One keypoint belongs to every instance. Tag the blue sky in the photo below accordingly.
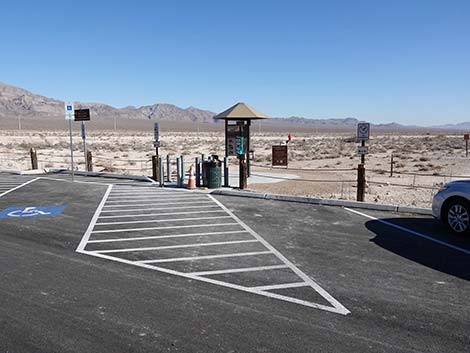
(377, 60)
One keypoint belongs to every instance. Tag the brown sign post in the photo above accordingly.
(82, 114)
(279, 155)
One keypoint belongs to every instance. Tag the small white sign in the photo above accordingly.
(69, 111)
(156, 135)
(363, 131)
(362, 149)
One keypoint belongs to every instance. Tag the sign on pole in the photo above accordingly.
(362, 150)
(279, 155)
(156, 135)
(466, 136)
(70, 115)
(69, 111)
(231, 135)
(363, 131)
(82, 115)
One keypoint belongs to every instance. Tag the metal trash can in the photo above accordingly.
(212, 173)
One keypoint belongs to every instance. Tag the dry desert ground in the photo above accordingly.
(323, 162)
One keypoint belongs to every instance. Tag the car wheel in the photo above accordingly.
(458, 216)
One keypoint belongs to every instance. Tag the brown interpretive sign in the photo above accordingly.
(82, 114)
(279, 155)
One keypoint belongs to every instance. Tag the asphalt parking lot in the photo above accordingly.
(104, 265)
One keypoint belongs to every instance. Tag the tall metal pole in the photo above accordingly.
(71, 149)
(363, 156)
(84, 145)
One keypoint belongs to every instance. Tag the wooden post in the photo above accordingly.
(243, 173)
(89, 159)
(154, 167)
(34, 158)
(391, 165)
(361, 182)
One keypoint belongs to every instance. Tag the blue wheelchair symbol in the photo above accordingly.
(32, 211)
(69, 107)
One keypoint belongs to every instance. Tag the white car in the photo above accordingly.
(451, 205)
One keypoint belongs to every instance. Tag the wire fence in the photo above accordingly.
(330, 182)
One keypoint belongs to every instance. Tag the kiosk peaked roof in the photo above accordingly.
(240, 111)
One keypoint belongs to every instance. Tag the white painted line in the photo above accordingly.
(191, 258)
(338, 306)
(161, 204)
(158, 199)
(155, 196)
(282, 286)
(88, 232)
(161, 220)
(165, 236)
(209, 205)
(159, 214)
(155, 228)
(19, 186)
(237, 270)
(220, 283)
(418, 234)
(195, 245)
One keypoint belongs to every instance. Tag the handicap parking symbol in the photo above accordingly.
(32, 211)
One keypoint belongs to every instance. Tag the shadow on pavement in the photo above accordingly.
(421, 250)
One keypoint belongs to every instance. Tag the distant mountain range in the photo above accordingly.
(15, 101)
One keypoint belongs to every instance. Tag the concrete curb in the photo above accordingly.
(325, 202)
(24, 172)
(104, 175)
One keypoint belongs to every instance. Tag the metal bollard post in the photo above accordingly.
(226, 176)
(198, 172)
(154, 167)
(161, 178)
(168, 168)
(361, 182)
(182, 171)
(178, 171)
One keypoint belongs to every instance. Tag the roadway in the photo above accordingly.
(128, 267)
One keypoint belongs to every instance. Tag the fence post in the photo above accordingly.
(34, 158)
(391, 165)
(168, 168)
(361, 182)
(226, 176)
(198, 172)
(154, 167)
(161, 178)
(89, 161)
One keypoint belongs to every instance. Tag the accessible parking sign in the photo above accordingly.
(32, 211)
